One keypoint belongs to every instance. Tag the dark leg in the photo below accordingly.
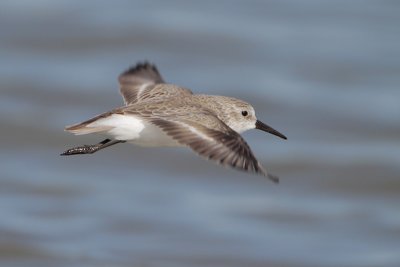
(90, 149)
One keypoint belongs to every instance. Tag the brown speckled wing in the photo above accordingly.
(223, 146)
(144, 82)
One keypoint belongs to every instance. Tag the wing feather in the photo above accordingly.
(224, 146)
(144, 82)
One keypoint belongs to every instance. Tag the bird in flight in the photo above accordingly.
(160, 114)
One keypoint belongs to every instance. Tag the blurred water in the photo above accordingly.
(325, 73)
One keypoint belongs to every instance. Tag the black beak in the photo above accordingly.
(263, 127)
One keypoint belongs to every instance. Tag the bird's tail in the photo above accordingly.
(90, 126)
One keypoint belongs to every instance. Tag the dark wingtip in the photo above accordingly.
(265, 173)
(273, 178)
(143, 65)
(145, 69)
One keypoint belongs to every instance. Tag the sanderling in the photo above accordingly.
(161, 114)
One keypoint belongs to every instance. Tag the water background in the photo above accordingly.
(325, 73)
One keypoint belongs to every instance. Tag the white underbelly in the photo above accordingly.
(151, 135)
(134, 130)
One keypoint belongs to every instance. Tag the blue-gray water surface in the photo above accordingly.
(325, 73)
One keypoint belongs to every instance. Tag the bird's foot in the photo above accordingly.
(86, 149)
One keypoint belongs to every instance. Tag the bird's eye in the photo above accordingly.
(244, 113)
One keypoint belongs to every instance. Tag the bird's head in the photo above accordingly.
(240, 116)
